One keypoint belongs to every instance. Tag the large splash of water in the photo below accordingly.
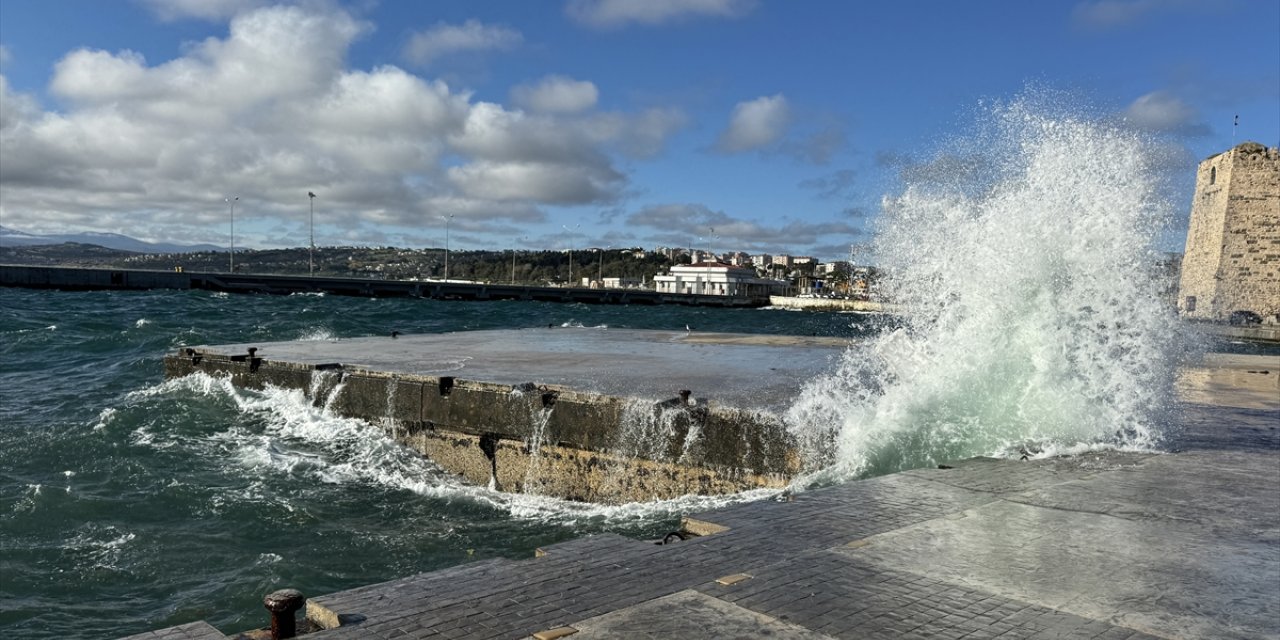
(1025, 265)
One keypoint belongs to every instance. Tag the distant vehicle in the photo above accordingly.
(1243, 317)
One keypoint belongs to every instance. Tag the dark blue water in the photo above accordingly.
(129, 503)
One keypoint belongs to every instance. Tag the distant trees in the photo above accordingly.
(531, 267)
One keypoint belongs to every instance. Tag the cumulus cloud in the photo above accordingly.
(641, 135)
(213, 10)
(270, 112)
(608, 14)
(675, 223)
(556, 94)
(1163, 112)
(755, 124)
(471, 36)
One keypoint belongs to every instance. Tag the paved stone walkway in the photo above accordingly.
(1100, 546)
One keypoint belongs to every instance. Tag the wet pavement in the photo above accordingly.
(739, 370)
(1104, 545)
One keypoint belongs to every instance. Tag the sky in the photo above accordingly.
(756, 125)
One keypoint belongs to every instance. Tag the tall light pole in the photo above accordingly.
(231, 257)
(569, 234)
(600, 276)
(446, 245)
(513, 261)
(311, 255)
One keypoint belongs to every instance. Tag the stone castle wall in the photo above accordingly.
(1232, 259)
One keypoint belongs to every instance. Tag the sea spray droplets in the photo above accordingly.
(1033, 317)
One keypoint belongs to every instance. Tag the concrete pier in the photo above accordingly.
(92, 279)
(587, 414)
(1103, 545)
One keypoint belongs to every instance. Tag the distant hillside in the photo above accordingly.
(540, 267)
(67, 254)
(15, 238)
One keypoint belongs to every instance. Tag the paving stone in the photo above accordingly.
(689, 614)
(199, 630)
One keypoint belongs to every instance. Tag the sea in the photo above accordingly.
(1038, 323)
(129, 503)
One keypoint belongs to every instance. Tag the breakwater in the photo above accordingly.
(597, 416)
(93, 279)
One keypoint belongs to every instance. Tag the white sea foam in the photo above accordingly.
(574, 324)
(1025, 265)
(142, 322)
(104, 418)
(317, 334)
(98, 547)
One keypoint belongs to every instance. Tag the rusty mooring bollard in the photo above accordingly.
(283, 604)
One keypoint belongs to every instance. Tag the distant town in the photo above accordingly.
(665, 269)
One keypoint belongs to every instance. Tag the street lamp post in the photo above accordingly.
(311, 255)
(513, 261)
(569, 234)
(231, 257)
(600, 275)
(446, 245)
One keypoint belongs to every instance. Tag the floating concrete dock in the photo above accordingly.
(587, 414)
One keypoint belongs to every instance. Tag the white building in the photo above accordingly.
(717, 279)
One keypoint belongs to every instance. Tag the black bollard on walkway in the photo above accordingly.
(284, 605)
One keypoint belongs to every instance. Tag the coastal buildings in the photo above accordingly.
(1232, 259)
(714, 278)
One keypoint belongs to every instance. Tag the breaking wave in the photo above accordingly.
(1024, 261)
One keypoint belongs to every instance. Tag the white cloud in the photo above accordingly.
(1164, 112)
(642, 135)
(269, 112)
(213, 10)
(445, 39)
(551, 183)
(14, 107)
(748, 235)
(755, 124)
(556, 94)
(605, 14)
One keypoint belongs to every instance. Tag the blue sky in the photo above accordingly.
(763, 126)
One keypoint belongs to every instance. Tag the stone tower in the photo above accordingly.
(1232, 261)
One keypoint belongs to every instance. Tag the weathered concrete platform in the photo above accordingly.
(590, 414)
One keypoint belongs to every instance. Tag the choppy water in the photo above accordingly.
(129, 503)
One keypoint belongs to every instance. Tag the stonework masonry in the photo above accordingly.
(1232, 260)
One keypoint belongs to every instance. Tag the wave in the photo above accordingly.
(1024, 261)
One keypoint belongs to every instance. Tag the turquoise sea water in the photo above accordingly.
(128, 503)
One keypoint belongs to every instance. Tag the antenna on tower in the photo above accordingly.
(1234, 125)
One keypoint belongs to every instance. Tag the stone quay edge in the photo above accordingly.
(597, 415)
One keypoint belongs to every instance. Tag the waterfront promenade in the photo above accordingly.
(1099, 545)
